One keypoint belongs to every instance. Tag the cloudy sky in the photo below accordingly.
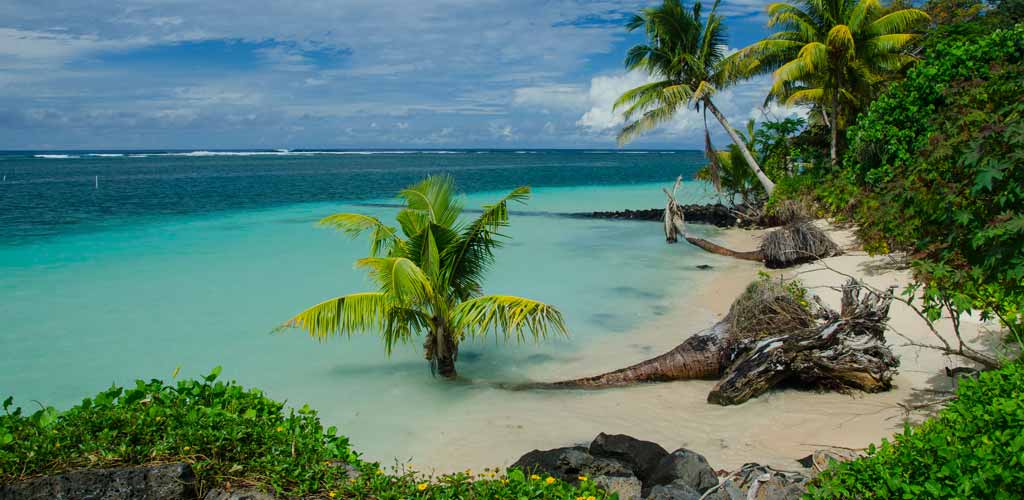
(330, 73)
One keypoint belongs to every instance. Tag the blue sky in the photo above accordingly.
(331, 74)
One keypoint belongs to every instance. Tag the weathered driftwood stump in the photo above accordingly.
(771, 336)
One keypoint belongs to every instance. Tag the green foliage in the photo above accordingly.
(222, 429)
(936, 168)
(974, 448)
(228, 433)
(488, 485)
(899, 123)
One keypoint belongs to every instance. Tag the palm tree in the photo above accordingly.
(832, 54)
(429, 274)
(684, 54)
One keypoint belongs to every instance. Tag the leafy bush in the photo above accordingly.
(226, 433)
(936, 168)
(974, 448)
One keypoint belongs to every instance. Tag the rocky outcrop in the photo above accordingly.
(642, 457)
(158, 482)
(686, 467)
(636, 469)
(716, 215)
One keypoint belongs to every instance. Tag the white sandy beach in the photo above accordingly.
(774, 429)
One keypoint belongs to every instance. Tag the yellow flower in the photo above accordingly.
(583, 478)
(504, 481)
(331, 494)
(469, 472)
(591, 498)
(581, 498)
(535, 478)
(421, 486)
(550, 480)
(279, 428)
(380, 472)
(187, 448)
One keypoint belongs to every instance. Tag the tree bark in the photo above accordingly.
(441, 351)
(767, 183)
(755, 255)
(834, 147)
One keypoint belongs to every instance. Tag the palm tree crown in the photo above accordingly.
(684, 53)
(429, 272)
(832, 54)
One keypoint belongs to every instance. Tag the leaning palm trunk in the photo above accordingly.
(784, 247)
(767, 183)
(770, 336)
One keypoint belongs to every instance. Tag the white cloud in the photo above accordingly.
(604, 91)
(554, 96)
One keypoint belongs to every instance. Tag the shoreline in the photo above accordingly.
(775, 429)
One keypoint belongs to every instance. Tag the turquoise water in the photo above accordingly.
(140, 294)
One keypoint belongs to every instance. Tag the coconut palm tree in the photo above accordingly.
(683, 53)
(832, 54)
(429, 272)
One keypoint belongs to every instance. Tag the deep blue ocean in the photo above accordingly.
(47, 193)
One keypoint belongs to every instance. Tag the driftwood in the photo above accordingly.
(784, 247)
(770, 337)
(675, 222)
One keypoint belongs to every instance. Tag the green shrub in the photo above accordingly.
(973, 449)
(227, 433)
(936, 168)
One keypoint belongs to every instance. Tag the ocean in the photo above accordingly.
(121, 265)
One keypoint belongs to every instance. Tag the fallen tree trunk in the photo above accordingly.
(755, 255)
(784, 247)
(821, 349)
(699, 357)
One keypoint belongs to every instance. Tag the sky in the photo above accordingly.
(205, 74)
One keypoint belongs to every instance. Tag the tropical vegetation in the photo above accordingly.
(834, 55)
(430, 274)
(971, 449)
(234, 437)
(684, 53)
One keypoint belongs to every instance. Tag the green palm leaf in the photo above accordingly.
(514, 317)
(357, 312)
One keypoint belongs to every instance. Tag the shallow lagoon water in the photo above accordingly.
(83, 309)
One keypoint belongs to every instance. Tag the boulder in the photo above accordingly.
(238, 494)
(628, 488)
(686, 466)
(726, 491)
(677, 490)
(640, 456)
(158, 482)
(568, 464)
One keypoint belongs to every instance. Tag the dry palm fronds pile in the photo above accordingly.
(796, 243)
(766, 308)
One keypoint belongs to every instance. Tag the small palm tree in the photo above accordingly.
(832, 54)
(684, 53)
(728, 171)
(430, 277)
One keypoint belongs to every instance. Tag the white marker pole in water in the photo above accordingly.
(97, 182)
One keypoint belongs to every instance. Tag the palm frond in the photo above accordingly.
(348, 314)
(382, 237)
(900, 21)
(400, 279)
(465, 261)
(434, 196)
(510, 316)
